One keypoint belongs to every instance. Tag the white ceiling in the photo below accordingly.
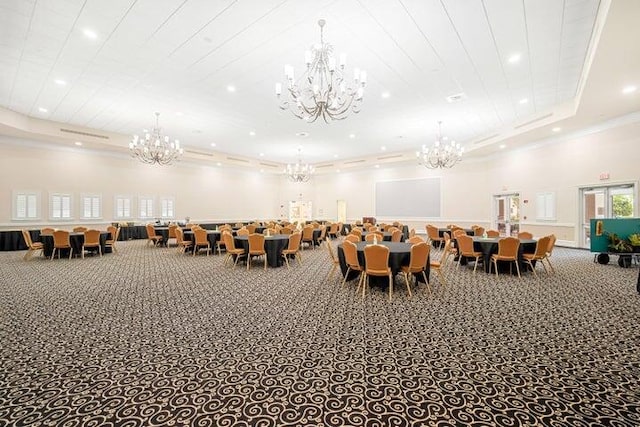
(179, 56)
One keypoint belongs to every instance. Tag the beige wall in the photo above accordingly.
(203, 192)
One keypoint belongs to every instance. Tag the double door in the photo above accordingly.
(615, 201)
(507, 214)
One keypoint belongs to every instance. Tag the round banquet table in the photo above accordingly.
(386, 236)
(212, 236)
(489, 246)
(399, 255)
(273, 245)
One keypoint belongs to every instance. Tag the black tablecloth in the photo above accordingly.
(132, 232)
(76, 240)
(273, 245)
(441, 232)
(212, 236)
(12, 240)
(489, 246)
(399, 256)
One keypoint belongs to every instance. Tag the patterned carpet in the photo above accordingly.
(148, 337)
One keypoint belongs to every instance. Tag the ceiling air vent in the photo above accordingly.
(235, 159)
(486, 139)
(77, 132)
(456, 97)
(326, 165)
(546, 116)
(269, 165)
(354, 162)
(200, 153)
(392, 156)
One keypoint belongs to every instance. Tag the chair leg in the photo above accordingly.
(424, 275)
(265, 262)
(390, 286)
(475, 264)
(517, 268)
(286, 260)
(407, 284)
(53, 254)
(344, 281)
(532, 268)
(70, 252)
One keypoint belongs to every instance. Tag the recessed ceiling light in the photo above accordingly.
(78, 143)
(89, 33)
(377, 166)
(179, 113)
(385, 94)
(502, 146)
(231, 88)
(383, 148)
(335, 156)
(43, 110)
(213, 144)
(514, 58)
(352, 135)
(261, 154)
(523, 101)
(629, 89)
(261, 170)
(60, 82)
(252, 133)
(218, 164)
(556, 129)
(338, 170)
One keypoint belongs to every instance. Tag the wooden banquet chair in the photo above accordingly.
(307, 236)
(371, 236)
(114, 233)
(335, 262)
(152, 237)
(525, 235)
(333, 231)
(478, 231)
(200, 241)
(293, 248)
(79, 229)
(353, 264)
(432, 234)
(396, 236)
(181, 243)
(540, 254)
(172, 235)
(417, 264)
(47, 230)
(376, 261)
(552, 244)
(243, 232)
(507, 251)
(286, 230)
(32, 247)
(353, 238)
(256, 249)
(232, 251)
(465, 249)
(61, 241)
(91, 240)
(493, 233)
(415, 239)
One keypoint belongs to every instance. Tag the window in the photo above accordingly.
(60, 206)
(167, 207)
(546, 206)
(123, 207)
(25, 206)
(91, 207)
(145, 205)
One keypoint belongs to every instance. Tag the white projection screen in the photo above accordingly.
(409, 198)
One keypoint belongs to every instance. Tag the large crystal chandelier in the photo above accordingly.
(322, 91)
(443, 153)
(155, 148)
(299, 172)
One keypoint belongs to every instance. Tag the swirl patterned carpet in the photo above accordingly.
(148, 337)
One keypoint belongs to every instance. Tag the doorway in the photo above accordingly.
(342, 211)
(299, 211)
(614, 201)
(507, 214)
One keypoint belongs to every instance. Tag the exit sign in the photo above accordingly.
(604, 175)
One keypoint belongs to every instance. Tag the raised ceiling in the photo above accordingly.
(180, 57)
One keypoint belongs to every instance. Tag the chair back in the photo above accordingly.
(47, 230)
(412, 232)
(478, 231)
(376, 259)
(465, 244)
(27, 238)
(307, 232)
(251, 228)
(396, 236)
(286, 230)
(508, 247)
(525, 235)
(415, 240)
(459, 232)
(333, 229)
(371, 236)
(358, 231)
(200, 235)
(351, 254)
(92, 238)
(353, 238)
(61, 239)
(229, 243)
(151, 231)
(541, 247)
(432, 232)
(243, 232)
(552, 243)
(493, 233)
(172, 231)
(112, 232)
(294, 241)
(256, 242)
(79, 229)
(323, 232)
(179, 235)
(419, 255)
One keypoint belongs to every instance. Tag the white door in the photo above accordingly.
(507, 214)
(299, 211)
(616, 201)
(342, 211)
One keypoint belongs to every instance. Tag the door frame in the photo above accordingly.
(494, 209)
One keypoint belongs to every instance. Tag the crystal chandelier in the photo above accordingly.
(322, 91)
(442, 154)
(155, 148)
(299, 172)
